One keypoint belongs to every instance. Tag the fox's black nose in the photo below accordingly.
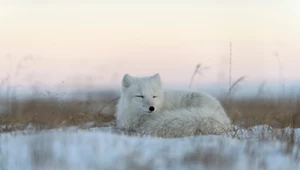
(151, 108)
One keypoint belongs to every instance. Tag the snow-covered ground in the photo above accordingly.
(106, 148)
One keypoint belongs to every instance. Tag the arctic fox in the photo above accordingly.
(145, 107)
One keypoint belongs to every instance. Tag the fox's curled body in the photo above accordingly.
(146, 108)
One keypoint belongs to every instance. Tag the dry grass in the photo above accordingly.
(257, 111)
(51, 113)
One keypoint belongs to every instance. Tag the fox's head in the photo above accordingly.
(142, 93)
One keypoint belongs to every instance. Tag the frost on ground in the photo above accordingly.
(108, 148)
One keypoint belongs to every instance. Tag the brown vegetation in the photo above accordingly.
(51, 113)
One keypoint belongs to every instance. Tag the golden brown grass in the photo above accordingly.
(52, 113)
(49, 114)
(257, 111)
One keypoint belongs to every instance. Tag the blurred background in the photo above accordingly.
(68, 57)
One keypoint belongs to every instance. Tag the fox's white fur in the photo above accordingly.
(173, 113)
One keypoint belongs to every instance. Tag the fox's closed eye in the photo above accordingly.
(154, 96)
(139, 96)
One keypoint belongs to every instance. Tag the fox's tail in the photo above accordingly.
(185, 122)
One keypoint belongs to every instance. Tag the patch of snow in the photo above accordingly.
(101, 148)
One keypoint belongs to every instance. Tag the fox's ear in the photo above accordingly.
(156, 78)
(127, 81)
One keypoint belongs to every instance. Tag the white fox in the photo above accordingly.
(146, 108)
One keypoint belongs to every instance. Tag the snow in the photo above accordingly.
(107, 148)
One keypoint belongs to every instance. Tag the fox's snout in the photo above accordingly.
(148, 109)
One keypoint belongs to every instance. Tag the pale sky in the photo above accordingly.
(98, 42)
